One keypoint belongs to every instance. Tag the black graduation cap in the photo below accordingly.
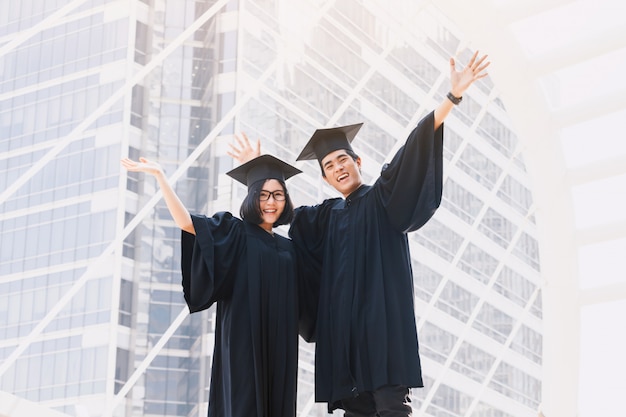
(262, 168)
(325, 141)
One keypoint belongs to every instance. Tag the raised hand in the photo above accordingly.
(474, 70)
(143, 165)
(243, 151)
(178, 211)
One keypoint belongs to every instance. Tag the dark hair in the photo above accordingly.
(350, 152)
(250, 209)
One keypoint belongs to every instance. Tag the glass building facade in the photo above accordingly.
(91, 311)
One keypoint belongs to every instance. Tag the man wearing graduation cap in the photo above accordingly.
(357, 300)
(366, 356)
(251, 273)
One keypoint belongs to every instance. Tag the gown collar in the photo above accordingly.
(358, 193)
(258, 232)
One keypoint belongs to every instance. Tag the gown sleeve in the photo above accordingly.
(308, 233)
(209, 259)
(410, 186)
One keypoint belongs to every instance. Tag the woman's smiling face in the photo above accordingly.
(272, 203)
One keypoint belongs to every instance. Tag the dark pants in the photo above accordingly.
(386, 401)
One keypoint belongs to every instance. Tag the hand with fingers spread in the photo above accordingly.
(474, 70)
(460, 81)
(243, 151)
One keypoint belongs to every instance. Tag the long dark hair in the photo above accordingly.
(250, 209)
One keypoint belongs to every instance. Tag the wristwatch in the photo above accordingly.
(453, 99)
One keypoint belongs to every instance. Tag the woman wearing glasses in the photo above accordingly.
(252, 275)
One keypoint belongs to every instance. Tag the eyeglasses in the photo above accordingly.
(279, 195)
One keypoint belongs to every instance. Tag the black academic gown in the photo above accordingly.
(364, 327)
(252, 277)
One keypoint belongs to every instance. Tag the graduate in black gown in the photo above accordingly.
(363, 321)
(251, 273)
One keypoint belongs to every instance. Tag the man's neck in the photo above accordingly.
(352, 191)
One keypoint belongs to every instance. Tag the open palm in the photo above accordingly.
(463, 79)
(143, 165)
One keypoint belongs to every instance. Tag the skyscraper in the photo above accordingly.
(91, 311)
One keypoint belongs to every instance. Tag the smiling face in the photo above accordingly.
(342, 172)
(271, 202)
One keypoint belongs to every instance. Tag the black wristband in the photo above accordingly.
(453, 99)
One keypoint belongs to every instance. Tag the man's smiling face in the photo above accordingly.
(342, 172)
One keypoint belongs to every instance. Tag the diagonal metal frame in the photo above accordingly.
(76, 133)
(156, 349)
(46, 23)
(98, 262)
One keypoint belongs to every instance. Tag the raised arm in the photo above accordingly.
(460, 81)
(178, 211)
